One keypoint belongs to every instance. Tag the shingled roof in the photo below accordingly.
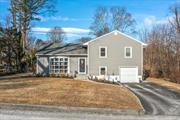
(67, 49)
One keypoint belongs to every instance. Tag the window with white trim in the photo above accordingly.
(102, 52)
(58, 65)
(128, 52)
(102, 70)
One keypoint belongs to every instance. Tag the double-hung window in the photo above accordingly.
(102, 70)
(102, 52)
(58, 65)
(128, 52)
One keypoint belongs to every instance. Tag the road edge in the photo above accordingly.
(28, 107)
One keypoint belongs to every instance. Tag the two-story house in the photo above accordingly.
(113, 56)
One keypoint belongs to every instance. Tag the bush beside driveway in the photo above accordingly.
(66, 92)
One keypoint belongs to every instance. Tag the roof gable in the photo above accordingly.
(116, 32)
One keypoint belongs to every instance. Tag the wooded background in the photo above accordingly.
(18, 47)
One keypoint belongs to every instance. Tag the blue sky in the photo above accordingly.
(75, 16)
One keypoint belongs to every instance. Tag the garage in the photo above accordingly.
(129, 74)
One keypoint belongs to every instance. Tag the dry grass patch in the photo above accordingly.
(66, 92)
(165, 83)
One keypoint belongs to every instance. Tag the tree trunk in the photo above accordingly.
(23, 38)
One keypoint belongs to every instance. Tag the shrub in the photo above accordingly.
(105, 81)
(38, 75)
(146, 74)
(175, 77)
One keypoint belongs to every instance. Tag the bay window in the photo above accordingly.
(58, 65)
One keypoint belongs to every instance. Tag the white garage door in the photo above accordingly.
(129, 75)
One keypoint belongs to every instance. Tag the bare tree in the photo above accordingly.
(39, 43)
(57, 35)
(122, 20)
(175, 22)
(175, 12)
(83, 39)
(160, 57)
(25, 11)
(117, 19)
(9, 46)
(13, 11)
(100, 24)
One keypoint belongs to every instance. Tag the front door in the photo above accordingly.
(82, 66)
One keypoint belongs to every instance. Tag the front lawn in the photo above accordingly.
(66, 92)
(165, 83)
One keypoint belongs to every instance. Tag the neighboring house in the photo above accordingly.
(113, 56)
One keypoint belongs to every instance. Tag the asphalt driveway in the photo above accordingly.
(155, 99)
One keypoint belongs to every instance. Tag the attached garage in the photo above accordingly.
(129, 74)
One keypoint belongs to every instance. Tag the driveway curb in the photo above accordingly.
(27, 107)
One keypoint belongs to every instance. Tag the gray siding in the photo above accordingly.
(43, 64)
(74, 64)
(115, 54)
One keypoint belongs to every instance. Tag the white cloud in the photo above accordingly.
(151, 20)
(40, 29)
(75, 30)
(57, 18)
(67, 30)
(39, 33)
(73, 35)
(60, 18)
(165, 20)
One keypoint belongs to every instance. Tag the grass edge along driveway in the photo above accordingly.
(165, 83)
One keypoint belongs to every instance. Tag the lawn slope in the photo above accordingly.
(66, 92)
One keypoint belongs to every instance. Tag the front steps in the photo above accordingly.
(81, 77)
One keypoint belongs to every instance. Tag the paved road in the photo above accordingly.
(157, 100)
(37, 115)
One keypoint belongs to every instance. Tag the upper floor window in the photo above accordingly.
(103, 52)
(128, 52)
